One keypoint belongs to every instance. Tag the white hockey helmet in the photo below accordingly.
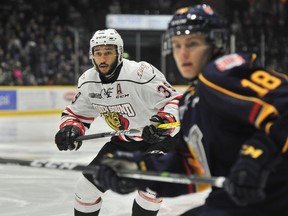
(107, 37)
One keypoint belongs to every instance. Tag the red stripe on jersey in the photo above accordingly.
(171, 102)
(149, 199)
(254, 112)
(70, 116)
(178, 97)
(175, 101)
(122, 138)
(79, 116)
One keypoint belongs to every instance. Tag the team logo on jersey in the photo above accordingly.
(123, 109)
(251, 151)
(107, 92)
(116, 121)
(103, 93)
(229, 61)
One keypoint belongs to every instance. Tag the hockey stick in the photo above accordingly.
(124, 132)
(47, 164)
(172, 177)
(134, 174)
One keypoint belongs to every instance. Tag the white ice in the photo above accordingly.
(28, 191)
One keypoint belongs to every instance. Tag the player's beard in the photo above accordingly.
(111, 71)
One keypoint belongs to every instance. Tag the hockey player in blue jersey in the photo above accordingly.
(236, 109)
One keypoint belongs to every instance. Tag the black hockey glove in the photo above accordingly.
(65, 138)
(106, 172)
(247, 180)
(152, 134)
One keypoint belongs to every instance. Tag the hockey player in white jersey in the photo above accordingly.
(127, 94)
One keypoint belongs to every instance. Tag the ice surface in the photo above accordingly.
(27, 191)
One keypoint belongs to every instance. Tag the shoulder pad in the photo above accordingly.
(89, 75)
(138, 71)
(225, 70)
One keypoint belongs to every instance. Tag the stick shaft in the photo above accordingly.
(172, 177)
(134, 174)
(108, 134)
(46, 164)
(124, 132)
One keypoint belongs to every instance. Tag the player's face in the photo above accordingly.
(105, 57)
(191, 54)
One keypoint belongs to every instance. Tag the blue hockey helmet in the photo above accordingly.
(200, 18)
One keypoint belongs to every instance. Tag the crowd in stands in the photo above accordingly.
(262, 27)
(37, 37)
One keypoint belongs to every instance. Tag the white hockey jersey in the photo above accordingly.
(139, 92)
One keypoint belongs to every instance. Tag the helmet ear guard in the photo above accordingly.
(200, 18)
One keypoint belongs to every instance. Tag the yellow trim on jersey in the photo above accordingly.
(267, 127)
(285, 147)
(253, 58)
(267, 109)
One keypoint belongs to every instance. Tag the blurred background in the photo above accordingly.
(46, 42)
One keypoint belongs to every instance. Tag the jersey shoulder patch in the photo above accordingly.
(228, 62)
(227, 70)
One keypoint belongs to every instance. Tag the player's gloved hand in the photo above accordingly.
(65, 138)
(247, 180)
(106, 171)
(152, 134)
